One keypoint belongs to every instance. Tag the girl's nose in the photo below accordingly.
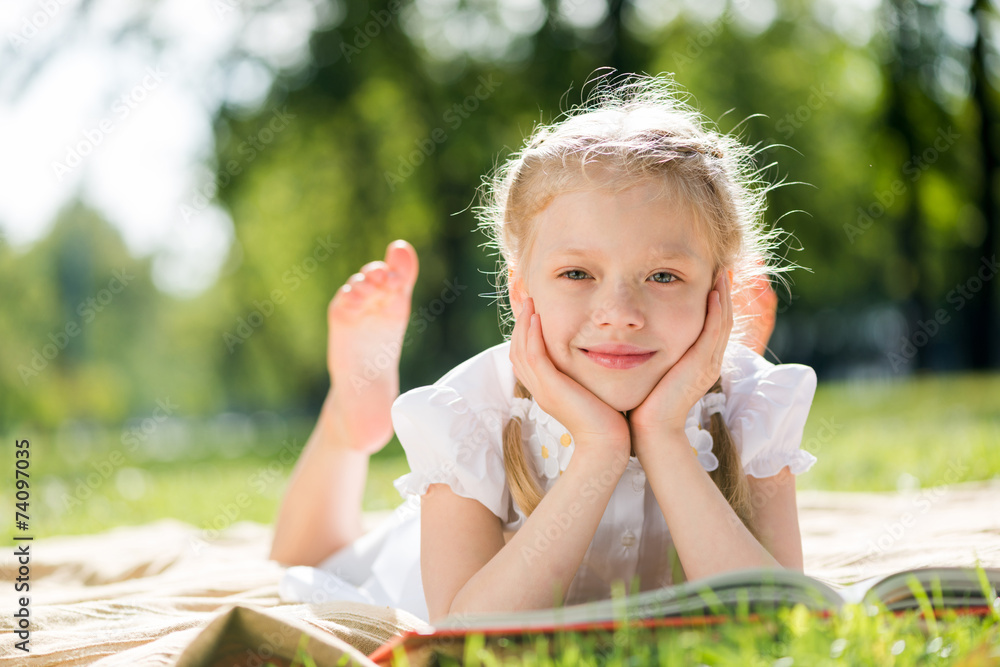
(619, 307)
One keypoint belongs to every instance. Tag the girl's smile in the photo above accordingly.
(620, 282)
(618, 355)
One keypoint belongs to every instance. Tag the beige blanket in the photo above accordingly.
(141, 595)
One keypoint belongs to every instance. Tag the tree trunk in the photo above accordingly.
(982, 314)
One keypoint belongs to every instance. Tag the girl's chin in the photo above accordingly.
(621, 396)
(623, 402)
(624, 407)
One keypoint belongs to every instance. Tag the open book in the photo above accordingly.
(715, 598)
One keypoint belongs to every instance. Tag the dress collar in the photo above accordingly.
(553, 446)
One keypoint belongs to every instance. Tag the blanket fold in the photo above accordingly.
(165, 592)
(245, 636)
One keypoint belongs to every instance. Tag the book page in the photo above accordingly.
(722, 592)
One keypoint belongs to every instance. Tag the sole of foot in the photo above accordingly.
(367, 320)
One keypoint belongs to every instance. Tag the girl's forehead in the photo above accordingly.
(640, 223)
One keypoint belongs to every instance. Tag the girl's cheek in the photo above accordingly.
(554, 335)
(687, 321)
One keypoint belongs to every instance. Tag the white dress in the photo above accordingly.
(452, 430)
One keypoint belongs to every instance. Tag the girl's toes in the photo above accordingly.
(346, 297)
(375, 273)
(401, 259)
(350, 291)
(351, 294)
(362, 289)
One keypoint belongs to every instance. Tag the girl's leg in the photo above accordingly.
(321, 511)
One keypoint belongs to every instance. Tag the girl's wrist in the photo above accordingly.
(665, 439)
(601, 455)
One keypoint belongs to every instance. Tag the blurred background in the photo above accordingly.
(184, 185)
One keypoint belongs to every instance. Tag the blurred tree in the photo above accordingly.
(385, 144)
(89, 337)
(81, 304)
(984, 313)
(402, 106)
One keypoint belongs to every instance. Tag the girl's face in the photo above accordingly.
(617, 269)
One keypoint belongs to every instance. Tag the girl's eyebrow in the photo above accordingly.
(656, 253)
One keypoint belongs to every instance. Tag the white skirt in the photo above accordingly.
(382, 567)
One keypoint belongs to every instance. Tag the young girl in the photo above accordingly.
(620, 434)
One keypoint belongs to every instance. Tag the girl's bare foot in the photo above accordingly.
(367, 321)
(759, 304)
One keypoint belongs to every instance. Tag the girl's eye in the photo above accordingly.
(669, 277)
(576, 275)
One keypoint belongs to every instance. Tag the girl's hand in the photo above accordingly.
(666, 408)
(585, 415)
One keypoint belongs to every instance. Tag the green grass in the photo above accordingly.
(90, 487)
(919, 433)
(868, 437)
(794, 636)
(855, 635)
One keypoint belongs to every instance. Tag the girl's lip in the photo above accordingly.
(618, 361)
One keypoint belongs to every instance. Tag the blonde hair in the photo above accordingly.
(633, 128)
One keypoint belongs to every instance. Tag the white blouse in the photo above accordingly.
(452, 434)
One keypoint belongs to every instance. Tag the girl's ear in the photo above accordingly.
(515, 291)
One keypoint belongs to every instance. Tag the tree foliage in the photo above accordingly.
(868, 127)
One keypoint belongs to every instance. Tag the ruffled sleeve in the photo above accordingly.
(448, 442)
(767, 410)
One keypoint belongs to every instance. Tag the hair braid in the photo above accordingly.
(523, 486)
(729, 476)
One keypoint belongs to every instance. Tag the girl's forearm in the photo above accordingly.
(535, 568)
(321, 510)
(706, 532)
